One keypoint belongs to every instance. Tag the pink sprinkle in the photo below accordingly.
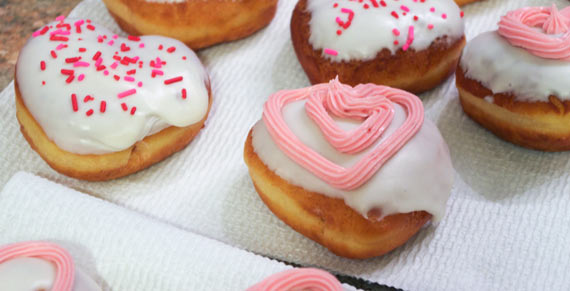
(430, 26)
(141, 45)
(115, 36)
(405, 8)
(346, 10)
(432, 9)
(98, 62)
(81, 77)
(127, 93)
(81, 64)
(157, 72)
(60, 18)
(396, 32)
(444, 16)
(129, 79)
(106, 73)
(114, 65)
(139, 84)
(331, 52)
(59, 31)
(100, 38)
(79, 22)
(60, 46)
(111, 42)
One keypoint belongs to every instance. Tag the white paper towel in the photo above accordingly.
(506, 225)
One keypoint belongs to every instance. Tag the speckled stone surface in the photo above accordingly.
(18, 19)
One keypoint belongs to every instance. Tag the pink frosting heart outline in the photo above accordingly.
(299, 279)
(519, 28)
(65, 270)
(362, 97)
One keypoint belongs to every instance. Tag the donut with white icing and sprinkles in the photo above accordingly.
(514, 81)
(356, 169)
(413, 45)
(97, 106)
(199, 24)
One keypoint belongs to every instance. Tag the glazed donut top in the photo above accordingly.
(528, 56)
(93, 92)
(375, 151)
(40, 266)
(358, 30)
(299, 279)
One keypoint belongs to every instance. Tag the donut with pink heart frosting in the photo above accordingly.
(85, 93)
(349, 167)
(37, 265)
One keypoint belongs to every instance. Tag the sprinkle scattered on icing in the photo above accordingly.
(89, 58)
(65, 270)
(299, 279)
(542, 31)
(371, 103)
(363, 28)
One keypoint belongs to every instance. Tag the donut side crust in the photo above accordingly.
(413, 71)
(198, 24)
(329, 221)
(150, 150)
(541, 126)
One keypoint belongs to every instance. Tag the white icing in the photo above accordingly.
(418, 177)
(34, 274)
(157, 105)
(503, 68)
(372, 29)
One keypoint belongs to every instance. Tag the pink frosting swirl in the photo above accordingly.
(65, 270)
(299, 279)
(369, 102)
(542, 31)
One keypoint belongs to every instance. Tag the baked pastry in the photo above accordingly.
(199, 24)
(299, 279)
(514, 81)
(96, 106)
(413, 46)
(360, 184)
(37, 265)
(464, 2)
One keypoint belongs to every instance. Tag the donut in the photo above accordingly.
(360, 182)
(299, 279)
(412, 46)
(96, 106)
(199, 24)
(513, 81)
(37, 265)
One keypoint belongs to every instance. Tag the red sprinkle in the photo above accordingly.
(173, 80)
(461, 14)
(66, 72)
(171, 49)
(89, 112)
(44, 30)
(74, 102)
(96, 55)
(87, 99)
(124, 106)
(394, 14)
(125, 48)
(70, 79)
(117, 77)
(72, 60)
(82, 49)
(133, 71)
(160, 47)
(133, 110)
(43, 65)
(58, 38)
(53, 54)
(184, 93)
(90, 27)
(100, 68)
(103, 106)
(134, 38)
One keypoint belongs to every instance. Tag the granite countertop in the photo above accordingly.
(18, 19)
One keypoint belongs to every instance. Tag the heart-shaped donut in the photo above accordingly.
(374, 103)
(552, 38)
(94, 92)
(61, 259)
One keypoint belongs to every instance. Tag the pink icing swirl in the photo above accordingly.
(369, 102)
(65, 270)
(542, 31)
(299, 279)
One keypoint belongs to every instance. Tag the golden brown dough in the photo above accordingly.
(143, 154)
(536, 125)
(199, 24)
(328, 221)
(464, 2)
(412, 71)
